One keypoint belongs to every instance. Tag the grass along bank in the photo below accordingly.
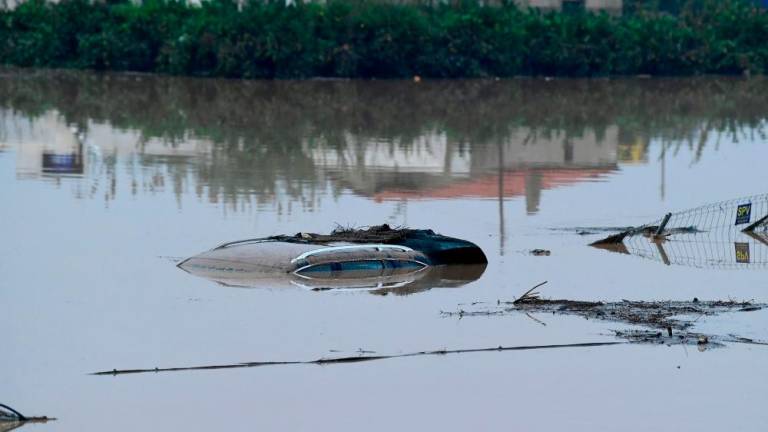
(343, 38)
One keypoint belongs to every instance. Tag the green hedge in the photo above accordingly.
(373, 39)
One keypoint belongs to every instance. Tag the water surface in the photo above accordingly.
(108, 180)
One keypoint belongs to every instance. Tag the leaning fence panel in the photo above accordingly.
(728, 234)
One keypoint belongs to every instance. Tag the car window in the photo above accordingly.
(319, 268)
(361, 265)
(406, 264)
(365, 265)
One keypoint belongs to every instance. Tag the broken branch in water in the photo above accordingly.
(357, 359)
(529, 295)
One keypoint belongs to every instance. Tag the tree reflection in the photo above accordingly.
(289, 142)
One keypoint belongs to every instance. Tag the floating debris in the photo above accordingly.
(540, 252)
(671, 321)
(665, 317)
(703, 342)
(357, 359)
(589, 230)
(530, 295)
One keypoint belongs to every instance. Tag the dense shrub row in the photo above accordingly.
(374, 39)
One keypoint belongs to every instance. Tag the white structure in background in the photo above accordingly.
(109, 141)
(526, 147)
(46, 145)
(435, 153)
(594, 5)
(435, 165)
(428, 153)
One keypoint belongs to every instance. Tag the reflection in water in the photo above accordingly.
(397, 284)
(103, 301)
(9, 426)
(46, 146)
(282, 144)
(434, 166)
(721, 250)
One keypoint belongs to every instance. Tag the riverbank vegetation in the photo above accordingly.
(344, 38)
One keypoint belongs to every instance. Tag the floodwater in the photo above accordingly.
(108, 180)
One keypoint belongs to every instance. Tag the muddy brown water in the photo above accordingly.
(108, 180)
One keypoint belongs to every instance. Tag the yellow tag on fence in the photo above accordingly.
(742, 252)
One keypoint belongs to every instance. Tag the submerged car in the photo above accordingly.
(378, 258)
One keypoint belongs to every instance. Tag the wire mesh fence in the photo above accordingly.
(731, 215)
(730, 234)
